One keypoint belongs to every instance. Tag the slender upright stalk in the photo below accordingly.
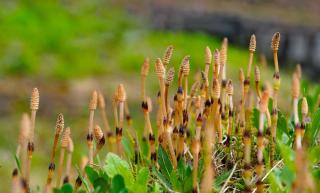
(34, 106)
(102, 106)
(207, 60)
(168, 82)
(15, 182)
(295, 98)
(64, 145)
(70, 149)
(24, 134)
(92, 108)
(122, 96)
(208, 175)
(263, 106)
(304, 113)
(58, 130)
(276, 85)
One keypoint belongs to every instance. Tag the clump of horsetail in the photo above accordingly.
(34, 106)
(58, 130)
(92, 107)
(64, 145)
(263, 106)
(70, 149)
(276, 86)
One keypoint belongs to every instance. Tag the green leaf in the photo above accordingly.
(162, 179)
(66, 188)
(115, 165)
(184, 176)
(101, 185)
(17, 162)
(91, 173)
(141, 184)
(118, 185)
(128, 147)
(255, 118)
(219, 180)
(313, 130)
(164, 162)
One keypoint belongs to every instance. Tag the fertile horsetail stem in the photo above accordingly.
(168, 82)
(23, 139)
(70, 150)
(276, 86)
(167, 56)
(263, 107)
(144, 73)
(64, 145)
(92, 108)
(223, 58)
(252, 49)
(257, 78)
(58, 130)
(295, 98)
(102, 106)
(207, 60)
(34, 106)
(100, 139)
(216, 65)
(121, 98)
(304, 113)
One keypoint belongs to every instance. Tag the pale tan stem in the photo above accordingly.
(60, 167)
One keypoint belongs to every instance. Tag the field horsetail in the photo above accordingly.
(216, 134)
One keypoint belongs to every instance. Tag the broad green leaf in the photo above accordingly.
(255, 118)
(115, 165)
(162, 179)
(127, 147)
(156, 188)
(164, 162)
(287, 154)
(141, 184)
(66, 188)
(91, 173)
(102, 184)
(219, 180)
(118, 185)
(313, 130)
(184, 176)
(56, 190)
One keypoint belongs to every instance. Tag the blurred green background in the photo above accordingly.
(69, 48)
